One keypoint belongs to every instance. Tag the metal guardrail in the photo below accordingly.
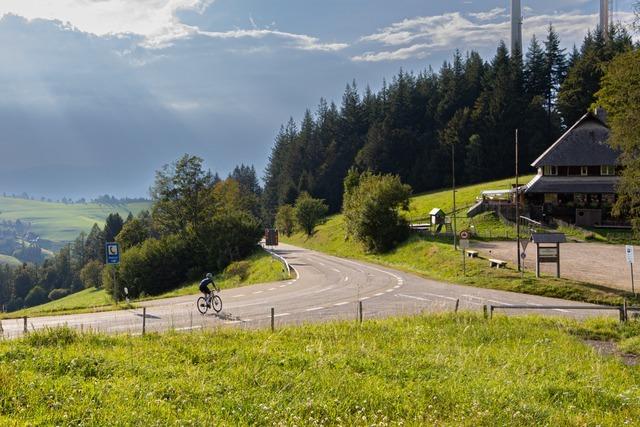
(281, 259)
(623, 309)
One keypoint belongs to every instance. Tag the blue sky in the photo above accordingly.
(95, 95)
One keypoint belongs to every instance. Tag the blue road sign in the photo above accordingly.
(113, 253)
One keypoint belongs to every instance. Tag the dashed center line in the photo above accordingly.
(315, 309)
(378, 294)
(389, 290)
(336, 270)
(396, 287)
(282, 286)
(272, 289)
(341, 303)
(238, 296)
(282, 315)
(258, 292)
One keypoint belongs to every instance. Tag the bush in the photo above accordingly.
(285, 220)
(154, 267)
(91, 274)
(239, 269)
(371, 210)
(58, 293)
(309, 212)
(36, 296)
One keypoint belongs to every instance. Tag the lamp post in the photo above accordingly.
(453, 174)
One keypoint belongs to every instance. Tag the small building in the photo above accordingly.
(577, 176)
(437, 216)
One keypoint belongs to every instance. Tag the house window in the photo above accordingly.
(607, 170)
(584, 170)
(551, 170)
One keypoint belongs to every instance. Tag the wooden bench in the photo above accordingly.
(497, 263)
(472, 254)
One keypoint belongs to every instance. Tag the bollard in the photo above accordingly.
(625, 309)
(144, 320)
(26, 329)
(484, 310)
(273, 319)
(622, 313)
(490, 312)
(360, 311)
(457, 305)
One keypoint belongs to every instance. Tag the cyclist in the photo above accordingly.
(204, 286)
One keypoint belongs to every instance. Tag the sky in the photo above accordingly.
(95, 95)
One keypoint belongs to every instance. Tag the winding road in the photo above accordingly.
(326, 288)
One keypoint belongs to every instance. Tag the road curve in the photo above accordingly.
(326, 288)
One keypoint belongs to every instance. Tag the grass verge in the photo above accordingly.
(435, 259)
(426, 370)
(258, 268)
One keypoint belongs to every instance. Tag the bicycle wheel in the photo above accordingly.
(202, 305)
(217, 303)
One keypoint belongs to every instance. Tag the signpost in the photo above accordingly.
(464, 245)
(523, 255)
(112, 251)
(631, 259)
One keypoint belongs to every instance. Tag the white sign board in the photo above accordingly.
(549, 252)
(630, 254)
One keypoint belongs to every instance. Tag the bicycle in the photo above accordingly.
(211, 301)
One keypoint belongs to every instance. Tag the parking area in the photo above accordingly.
(595, 263)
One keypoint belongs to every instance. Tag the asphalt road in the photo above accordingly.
(326, 288)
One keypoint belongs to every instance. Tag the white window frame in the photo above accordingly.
(551, 170)
(584, 170)
(607, 170)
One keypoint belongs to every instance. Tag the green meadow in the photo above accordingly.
(60, 222)
(427, 370)
(434, 257)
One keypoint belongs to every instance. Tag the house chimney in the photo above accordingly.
(516, 26)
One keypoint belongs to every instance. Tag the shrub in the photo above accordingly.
(36, 296)
(239, 269)
(58, 293)
(309, 212)
(372, 205)
(91, 274)
(285, 219)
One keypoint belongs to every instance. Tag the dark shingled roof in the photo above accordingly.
(585, 144)
(572, 184)
(549, 238)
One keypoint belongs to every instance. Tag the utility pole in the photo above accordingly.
(453, 174)
(518, 203)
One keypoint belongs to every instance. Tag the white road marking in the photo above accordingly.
(238, 296)
(389, 290)
(346, 279)
(336, 270)
(258, 292)
(282, 315)
(364, 298)
(396, 287)
(341, 303)
(232, 322)
(272, 289)
(188, 328)
(378, 294)
(315, 309)
(440, 296)
(282, 286)
(413, 297)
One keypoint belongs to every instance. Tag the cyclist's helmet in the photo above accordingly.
(209, 276)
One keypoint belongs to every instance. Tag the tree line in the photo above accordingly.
(417, 123)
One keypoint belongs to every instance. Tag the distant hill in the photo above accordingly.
(59, 222)
(6, 259)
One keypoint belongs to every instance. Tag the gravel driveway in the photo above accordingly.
(587, 262)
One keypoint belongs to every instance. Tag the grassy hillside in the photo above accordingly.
(6, 259)
(436, 370)
(260, 268)
(434, 257)
(59, 222)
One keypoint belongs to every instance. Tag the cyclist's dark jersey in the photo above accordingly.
(204, 286)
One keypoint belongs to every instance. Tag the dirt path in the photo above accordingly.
(587, 262)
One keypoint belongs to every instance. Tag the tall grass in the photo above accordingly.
(435, 370)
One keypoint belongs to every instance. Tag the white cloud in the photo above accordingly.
(488, 16)
(149, 18)
(155, 20)
(299, 41)
(419, 37)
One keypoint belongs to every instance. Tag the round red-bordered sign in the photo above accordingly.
(464, 235)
